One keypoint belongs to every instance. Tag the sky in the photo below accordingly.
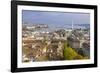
(54, 18)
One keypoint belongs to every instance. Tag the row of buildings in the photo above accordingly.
(80, 41)
(49, 45)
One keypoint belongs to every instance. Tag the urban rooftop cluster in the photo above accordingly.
(43, 43)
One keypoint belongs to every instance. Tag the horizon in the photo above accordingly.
(52, 19)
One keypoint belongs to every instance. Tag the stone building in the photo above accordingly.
(73, 42)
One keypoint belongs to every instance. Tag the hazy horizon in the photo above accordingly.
(54, 18)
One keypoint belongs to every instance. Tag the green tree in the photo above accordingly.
(69, 53)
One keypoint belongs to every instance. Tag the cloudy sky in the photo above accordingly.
(54, 18)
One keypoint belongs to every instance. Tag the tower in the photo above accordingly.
(72, 25)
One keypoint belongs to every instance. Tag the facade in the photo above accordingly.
(73, 42)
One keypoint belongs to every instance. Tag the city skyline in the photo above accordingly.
(54, 18)
(55, 36)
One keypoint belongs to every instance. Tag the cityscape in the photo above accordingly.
(64, 37)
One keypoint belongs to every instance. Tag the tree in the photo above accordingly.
(70, 53)
(78, 57)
